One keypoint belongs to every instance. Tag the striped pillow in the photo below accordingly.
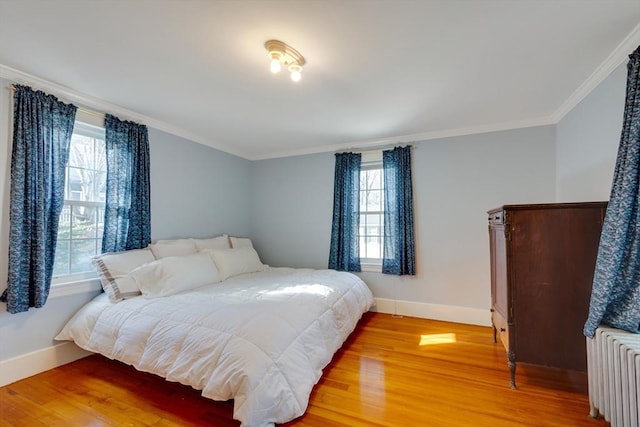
(114, 269)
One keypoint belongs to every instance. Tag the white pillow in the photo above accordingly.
(231, 262)
(241, 242)
(220, 242)
(113, 269)
(171, 275)
(177, 247)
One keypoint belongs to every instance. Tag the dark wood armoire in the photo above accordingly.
(542, 263)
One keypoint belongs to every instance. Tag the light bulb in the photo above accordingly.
(295, 72)
(276, 66)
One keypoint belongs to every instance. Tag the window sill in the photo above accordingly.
(75, 287)
(370, 268)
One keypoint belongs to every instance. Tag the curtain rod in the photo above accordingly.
(374, 149)
(12, 88)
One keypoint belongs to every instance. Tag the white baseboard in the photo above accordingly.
(26, 365)
(448, 313)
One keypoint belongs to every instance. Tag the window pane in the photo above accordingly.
(84, 222)
(88, 185)
(61, 262)
(374, 231)
(373, 220)
(81, 184)
(375, 179)
(100, 187)
(374, 199)
(101, 155)
(374, 247)
(81, 253)
(66, 183)
(74, 184)
(100, 228)
(81, 151)
(363, 247)
(64, 224)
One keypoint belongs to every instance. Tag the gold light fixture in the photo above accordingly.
(281, 54)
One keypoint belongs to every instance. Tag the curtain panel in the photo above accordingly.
(344, 252)
(42, 129)
(615, 297)
(399, 246)
(127, 216)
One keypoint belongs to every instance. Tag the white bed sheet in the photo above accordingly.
(260, 338)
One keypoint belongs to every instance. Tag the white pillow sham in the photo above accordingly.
(241, 242)
(171, 275)
(114, 268)
(220, 242)
(231, 262)
(176, 247)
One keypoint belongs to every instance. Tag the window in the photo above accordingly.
(82, 218)
(371, 228)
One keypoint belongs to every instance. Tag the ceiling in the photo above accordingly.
(377, 71)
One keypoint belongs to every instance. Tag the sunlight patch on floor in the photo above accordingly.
(437, 339)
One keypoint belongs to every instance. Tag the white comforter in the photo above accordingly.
(261, 338)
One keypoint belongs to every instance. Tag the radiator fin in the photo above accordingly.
(613, 365)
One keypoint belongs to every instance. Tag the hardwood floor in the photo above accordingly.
(390, 372)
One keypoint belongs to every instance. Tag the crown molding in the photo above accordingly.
(412, 138)
(619, 55)
(91, 102)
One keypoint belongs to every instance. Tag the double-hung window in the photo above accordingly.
(82, 219)
(371, 227)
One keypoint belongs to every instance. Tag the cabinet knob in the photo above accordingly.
(503, 330)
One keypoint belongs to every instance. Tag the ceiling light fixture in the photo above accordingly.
(281, 54)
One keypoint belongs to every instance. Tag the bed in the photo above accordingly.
(260, 338)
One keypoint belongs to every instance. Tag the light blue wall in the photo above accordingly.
(587, 141)
(456, 180)
(195, 191)
(292, 209)
(34, 330)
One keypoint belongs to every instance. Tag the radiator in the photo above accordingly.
(613, 367)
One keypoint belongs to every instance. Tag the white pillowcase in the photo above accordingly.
(241, 242)
(176, 247)
(220, 242)
(114, 268)
(171, 275)
(231, 262)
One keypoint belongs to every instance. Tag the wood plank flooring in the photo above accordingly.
(390, 372)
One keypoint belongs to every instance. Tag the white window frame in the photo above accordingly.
(370, 161)
(85, 128)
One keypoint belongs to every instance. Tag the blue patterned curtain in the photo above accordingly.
(615, 298)
(344, 253)
(399, 247)
(42, 129)
(127, 216)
